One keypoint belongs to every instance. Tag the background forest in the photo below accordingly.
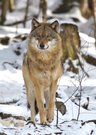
(76, 88)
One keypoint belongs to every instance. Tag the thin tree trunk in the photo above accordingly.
(5, 5)
(94, 15)
(43, 9)
(26, 13)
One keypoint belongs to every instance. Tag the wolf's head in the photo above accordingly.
(45, 44)
(44, 36)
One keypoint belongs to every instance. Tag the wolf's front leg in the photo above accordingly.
(50, 111)
(32, 107)
(31, 100)
(29, 90)
(39, 93)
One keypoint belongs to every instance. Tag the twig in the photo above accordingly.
(71, 95)
(18, 22)
(90, 59)
(57, 118)
(57, 107)
(89, 122)
(80, 88)
(82, 66)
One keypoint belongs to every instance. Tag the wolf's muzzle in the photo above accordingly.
(42, 46)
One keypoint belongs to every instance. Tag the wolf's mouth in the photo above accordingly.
(42, 46)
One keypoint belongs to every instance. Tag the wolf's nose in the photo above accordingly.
(42, 46)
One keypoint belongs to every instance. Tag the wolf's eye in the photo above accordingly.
(49, 38)
(38, 36)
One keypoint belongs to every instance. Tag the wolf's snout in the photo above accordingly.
(42, 46)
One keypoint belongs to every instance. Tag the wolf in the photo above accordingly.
(42, 67)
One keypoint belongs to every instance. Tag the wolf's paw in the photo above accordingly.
(50, 115)
(44, 123)
(43, 120)
(50, 119)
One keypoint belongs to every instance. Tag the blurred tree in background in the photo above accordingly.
(5, 6)
(86, 7)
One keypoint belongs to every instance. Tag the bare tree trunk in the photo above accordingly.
(86, 8)
(26, 13)
(43, 9)
(11, 5)
(5, 5)
(94, 15)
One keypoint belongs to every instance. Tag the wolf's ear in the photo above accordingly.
(35, 23)
(55, 25)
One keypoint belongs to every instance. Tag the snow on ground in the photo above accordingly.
(13, 97)
(13, 103)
